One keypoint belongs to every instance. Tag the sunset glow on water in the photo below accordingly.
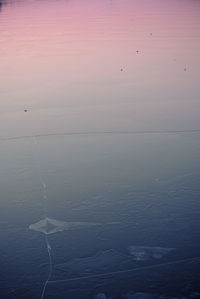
(73, 52)
(100, 147)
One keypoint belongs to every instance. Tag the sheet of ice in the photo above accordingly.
(133, 295)
(102, 262)
(140, 295)
(51, 226)
(142, 253)
(100, 296)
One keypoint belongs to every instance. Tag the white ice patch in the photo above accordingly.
(142, 253)
(51, 226)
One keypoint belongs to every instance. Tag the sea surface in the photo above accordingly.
(99, 149)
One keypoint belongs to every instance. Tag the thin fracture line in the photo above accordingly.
(137, 132)
(123, 271)
(109, 273)
(48, 281)
(50, 267)
(45, 199)
(44, 186)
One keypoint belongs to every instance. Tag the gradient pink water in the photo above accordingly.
(62, 61)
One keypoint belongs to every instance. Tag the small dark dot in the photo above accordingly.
(151, 33)
(185, 69)
(137, 51)
(25, 110)
(121, 70)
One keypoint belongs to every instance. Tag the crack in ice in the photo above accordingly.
(101, 133)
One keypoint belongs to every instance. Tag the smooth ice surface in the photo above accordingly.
(142, 253)
(110, 90)
(100, 296)
(132, 295)
(62, 64)
(51, 226)
(102, 262)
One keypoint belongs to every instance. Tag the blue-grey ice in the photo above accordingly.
(142, 253)
(51, 226)
(133, 295)
(102, 262)
(100, 296)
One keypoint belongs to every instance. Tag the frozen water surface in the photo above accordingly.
(51, 226)
(142, 253)
(101, 263)
(100, 296)
(118, 231)
(133, 295)
(99, 149)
